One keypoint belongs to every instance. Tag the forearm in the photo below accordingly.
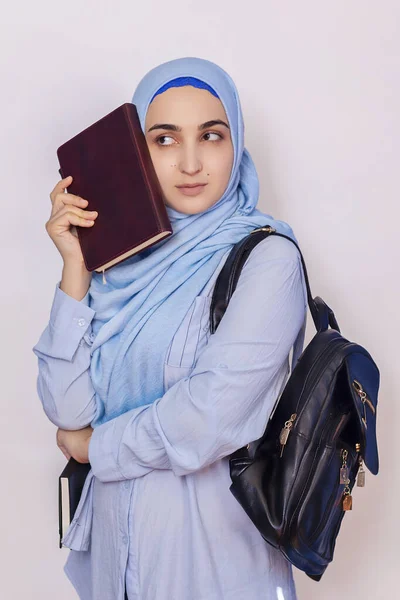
(193, 425)
(75, 280)
(63, 383)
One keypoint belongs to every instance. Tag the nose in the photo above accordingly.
(190, 162)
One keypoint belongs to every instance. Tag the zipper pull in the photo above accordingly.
(361, 474)
(283, 437)
(364, 399)
(344, 471)
(347, 499)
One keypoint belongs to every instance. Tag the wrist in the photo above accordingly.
(76, 265)
(75, 280)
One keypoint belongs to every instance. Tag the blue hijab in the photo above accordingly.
(146, 296)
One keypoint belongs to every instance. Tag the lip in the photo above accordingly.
(191, 185)
(192, 189)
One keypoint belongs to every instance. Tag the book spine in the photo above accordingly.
(143, 155)
(59, 513)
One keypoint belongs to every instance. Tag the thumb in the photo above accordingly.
(66, 182)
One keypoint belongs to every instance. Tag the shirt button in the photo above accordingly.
(81, 322)
(126, 485)
(125, 539)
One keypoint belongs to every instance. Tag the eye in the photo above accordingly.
(219, 136)
(163, 137)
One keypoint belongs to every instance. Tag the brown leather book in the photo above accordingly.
(111, 168)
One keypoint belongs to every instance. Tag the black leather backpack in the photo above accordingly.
(295, 482)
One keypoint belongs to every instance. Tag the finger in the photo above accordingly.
(69, 216)
(60, 186)
(61, 445)
(69, 210)
(65, 452)
(62, 199)
(71, 199)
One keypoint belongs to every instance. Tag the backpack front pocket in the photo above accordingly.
(323, 506)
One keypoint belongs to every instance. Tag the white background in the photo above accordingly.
(320, 90)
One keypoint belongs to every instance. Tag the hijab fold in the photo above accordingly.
(146, 296)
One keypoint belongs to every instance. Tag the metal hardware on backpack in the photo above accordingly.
(295, 482)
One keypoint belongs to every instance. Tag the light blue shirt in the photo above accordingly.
(156, 513)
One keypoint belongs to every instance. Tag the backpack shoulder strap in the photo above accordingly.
(228, 277)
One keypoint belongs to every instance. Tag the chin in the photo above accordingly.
(190, 206)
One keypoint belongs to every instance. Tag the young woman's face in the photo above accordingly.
(188, 146)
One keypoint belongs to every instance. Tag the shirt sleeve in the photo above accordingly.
(64, 385)
(227, 399)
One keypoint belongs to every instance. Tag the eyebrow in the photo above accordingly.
(170, 127)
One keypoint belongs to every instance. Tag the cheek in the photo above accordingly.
(162, 166)
(220, 166)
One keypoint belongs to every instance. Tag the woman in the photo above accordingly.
(133, 359)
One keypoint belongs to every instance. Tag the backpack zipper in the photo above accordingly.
(284, 435)
(364, 399)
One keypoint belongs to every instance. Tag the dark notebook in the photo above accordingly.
(70, 486)
(112, 168)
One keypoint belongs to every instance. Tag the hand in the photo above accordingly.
(75, 443)
(66, 214)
